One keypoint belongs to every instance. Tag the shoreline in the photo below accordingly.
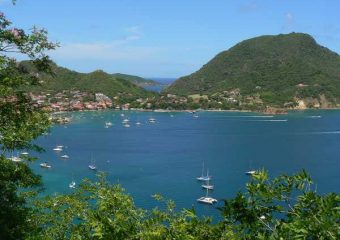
(198, 110)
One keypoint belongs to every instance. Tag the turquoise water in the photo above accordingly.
(167, 156)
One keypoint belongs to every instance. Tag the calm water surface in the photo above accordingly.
(167, 156)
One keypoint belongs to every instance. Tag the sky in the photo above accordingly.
(166, 38)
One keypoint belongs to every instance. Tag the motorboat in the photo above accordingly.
(45, 165)
(126, 125)
(65, 156)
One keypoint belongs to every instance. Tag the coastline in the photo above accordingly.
(286, 111)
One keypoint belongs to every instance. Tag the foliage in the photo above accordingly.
(282, 208)
(20, 123)
(270, 65)
(99, 210)
(139, 81)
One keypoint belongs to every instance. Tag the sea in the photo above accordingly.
(165, 157)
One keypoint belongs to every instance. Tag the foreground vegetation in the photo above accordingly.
(285, 207)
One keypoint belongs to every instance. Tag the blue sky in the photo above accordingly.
(154, 38)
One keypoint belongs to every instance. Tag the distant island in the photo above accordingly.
(271, 74)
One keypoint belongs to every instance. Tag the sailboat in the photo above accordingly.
(92, 166)
(152, 120)
(72, 184)
(250, 172)
(58, 148)
(208, 186)
(207, 199)
(202, 177)
(45, 165)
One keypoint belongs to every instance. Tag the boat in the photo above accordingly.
(58, 149)
(251, 172)
(152, 120)
(202, 177)
(126, 120)
(195, 116)
(45, 165)
(92, 167)
(72, 184)
(138, 123)
(15, 159)
(208, 186)
(59, 146)
(24, 153)
(65, 156)
(126, 125)
(207, 199)
(108, 124)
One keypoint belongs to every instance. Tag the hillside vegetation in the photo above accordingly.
(97, 81)
(139, 81)
(270, 68)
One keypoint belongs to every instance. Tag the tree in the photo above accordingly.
(282, 208)
(20, 122)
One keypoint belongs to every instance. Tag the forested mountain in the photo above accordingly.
(278, 70)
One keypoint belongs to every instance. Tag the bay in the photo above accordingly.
(167, 156)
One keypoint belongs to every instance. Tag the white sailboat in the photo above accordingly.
(58, 148)
(45, 165)
(65, 156)
(202, 177)
(152, 120)
(208, 186)
(92, 166)
(207, 199)
(72, 184)
(252, 171)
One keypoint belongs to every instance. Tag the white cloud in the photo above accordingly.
(133, 30)
(289, 22)
(250, 6)
(115, 50)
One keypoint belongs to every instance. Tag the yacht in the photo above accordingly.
(251, 172)
(45, 165)
(152, 120)
(208, 186)
(72, 184)
(126, 120)
(207, 199)
(92, 167)
(65, 156)
(15, 159)
(108, 124)
(58, 149)
(202, 177)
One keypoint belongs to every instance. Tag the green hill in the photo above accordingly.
(271, 68)
(139, 81)
(97, 81)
